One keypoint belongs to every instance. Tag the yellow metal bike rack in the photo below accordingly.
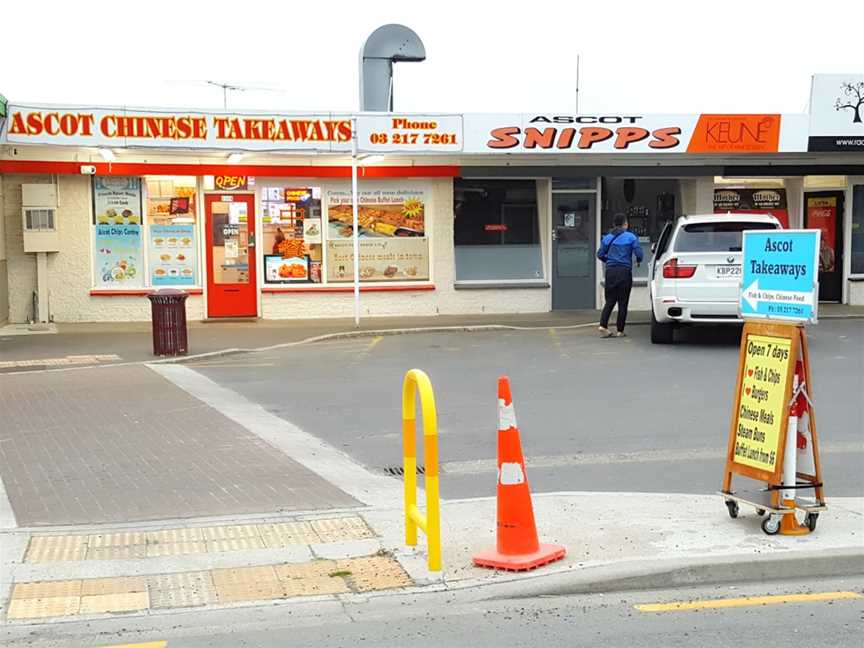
(417, 381)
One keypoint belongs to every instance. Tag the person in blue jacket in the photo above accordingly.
(617, 250)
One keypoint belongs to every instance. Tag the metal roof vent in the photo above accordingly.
(386, 45)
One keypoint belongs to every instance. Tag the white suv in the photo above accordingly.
(695, 275)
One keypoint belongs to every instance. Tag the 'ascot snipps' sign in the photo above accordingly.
(779, 279)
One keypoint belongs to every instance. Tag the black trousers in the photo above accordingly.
(619, 282)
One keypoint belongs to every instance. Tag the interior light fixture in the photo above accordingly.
(235, 158)
(107, 154)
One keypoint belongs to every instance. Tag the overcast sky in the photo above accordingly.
(650, 56)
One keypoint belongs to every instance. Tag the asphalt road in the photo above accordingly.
(610, 621)
(605, 415)
(823, 613)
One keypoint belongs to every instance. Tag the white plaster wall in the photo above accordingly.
(4, 278)
(70, 273)
(20, 267)
(856, 293)
(69, 270)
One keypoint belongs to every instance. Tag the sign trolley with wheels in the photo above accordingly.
(772, 436)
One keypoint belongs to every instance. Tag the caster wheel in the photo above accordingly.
(733, 508)
(760, 512)
(810, 521)
(771, 525)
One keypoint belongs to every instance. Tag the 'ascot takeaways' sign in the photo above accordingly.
(779, 279)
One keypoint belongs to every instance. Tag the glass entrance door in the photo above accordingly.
(824, 211)
(573, 248)
(231, 282)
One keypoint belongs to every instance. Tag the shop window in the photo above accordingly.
(171, 230)
(118, 245)
(392, 235)
(858, 229)
(648, 204)
(496, 230)
(292, 235)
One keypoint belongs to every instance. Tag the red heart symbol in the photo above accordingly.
(747, 390)
(749, 372)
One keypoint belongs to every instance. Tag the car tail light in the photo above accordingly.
(671, 270)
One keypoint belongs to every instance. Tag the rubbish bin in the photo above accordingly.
(168, 308)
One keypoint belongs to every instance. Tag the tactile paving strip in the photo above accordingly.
(136, 545)
(90, 596)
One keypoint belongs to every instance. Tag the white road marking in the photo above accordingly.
(645, 456)
(7, 515)
(316, 455)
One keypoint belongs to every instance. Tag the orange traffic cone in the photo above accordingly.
(518, 548)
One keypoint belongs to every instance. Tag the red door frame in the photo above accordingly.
(231, 300)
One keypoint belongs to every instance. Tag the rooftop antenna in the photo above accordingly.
(238, 88)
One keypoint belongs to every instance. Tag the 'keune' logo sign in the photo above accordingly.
(736, 134)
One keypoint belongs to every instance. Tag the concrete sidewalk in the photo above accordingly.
(75, 344)
(615, 542)
(103, 343)
(634, 540)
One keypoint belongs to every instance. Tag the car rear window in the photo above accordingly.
(715, 237)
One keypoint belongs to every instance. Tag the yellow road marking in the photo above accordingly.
(747, 600)
(368, 349)
(374, 341)
(557, 341)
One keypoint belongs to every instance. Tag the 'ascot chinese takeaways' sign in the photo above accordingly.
(779, 279)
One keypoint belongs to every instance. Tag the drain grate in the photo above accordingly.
(399, 471)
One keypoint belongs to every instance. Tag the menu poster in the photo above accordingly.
(382, 213)
(117, 200)
(285, 270)
(753, 201)
(117, 257)
(172, 255)
(381, 259)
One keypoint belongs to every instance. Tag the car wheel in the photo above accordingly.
(661, 333)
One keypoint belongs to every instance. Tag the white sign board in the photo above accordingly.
(155, 128)
(780, 275)
(633, 133)
(837, 113)
(409, 133)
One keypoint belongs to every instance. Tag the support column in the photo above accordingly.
(43, 316)
(795, 201)
(697, 195)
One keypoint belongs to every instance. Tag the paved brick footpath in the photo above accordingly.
(33, 601)
(122, 444)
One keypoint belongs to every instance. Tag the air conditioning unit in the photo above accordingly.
(39, 218)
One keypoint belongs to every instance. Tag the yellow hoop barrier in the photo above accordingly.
(417, 381)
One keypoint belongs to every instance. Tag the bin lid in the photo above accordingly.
(167, 295)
